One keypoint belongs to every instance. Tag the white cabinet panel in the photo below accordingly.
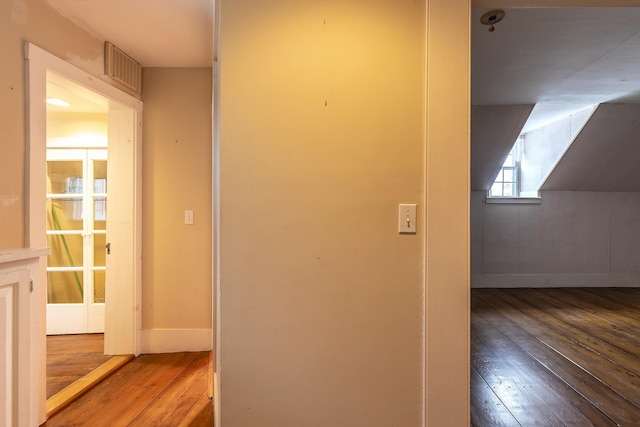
(14, 347)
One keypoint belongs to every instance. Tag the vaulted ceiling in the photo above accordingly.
(556, 61)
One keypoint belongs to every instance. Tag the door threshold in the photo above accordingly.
(76, 389)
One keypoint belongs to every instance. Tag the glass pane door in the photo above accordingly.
(76, 234)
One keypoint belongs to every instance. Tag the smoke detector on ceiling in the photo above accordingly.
(491, 18)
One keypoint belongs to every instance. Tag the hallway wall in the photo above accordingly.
(322, 136)
(37, 22)
(176, 168)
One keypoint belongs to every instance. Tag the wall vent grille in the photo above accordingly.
(122, 68)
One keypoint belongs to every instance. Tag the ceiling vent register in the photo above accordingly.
(122, 68)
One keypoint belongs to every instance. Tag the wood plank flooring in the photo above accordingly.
(555, 357)
(70, 357)
(151, 390)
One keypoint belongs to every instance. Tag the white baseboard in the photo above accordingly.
(555, 280)
(175, 340)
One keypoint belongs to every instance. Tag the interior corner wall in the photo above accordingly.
(37, 22)
(322, 136)
(569, 239)
(176, 176)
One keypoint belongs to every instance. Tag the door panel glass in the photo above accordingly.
(100, 213)
(99, 250)
(76, 225)
(64, 177)
(64, 214)
(99, 191)
(100, 176)
(98, 286)
(64, 287)
(66, 250)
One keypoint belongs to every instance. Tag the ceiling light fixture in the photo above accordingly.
(58, 102)
(492, 17)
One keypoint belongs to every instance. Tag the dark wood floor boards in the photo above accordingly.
(615, 328)
(624, 296)
(487, 408)
(550, 349)
(588, 355)
(583, 338)
(585, 334)
(518, 383)
(612, 356)
(556, 402)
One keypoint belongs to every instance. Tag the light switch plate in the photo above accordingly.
(407, 218)
(188, 217)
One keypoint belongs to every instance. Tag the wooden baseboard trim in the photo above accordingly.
(73, 391)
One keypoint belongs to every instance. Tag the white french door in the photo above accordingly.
(76, 233)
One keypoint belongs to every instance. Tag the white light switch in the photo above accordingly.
(407, 219)
(188, 217)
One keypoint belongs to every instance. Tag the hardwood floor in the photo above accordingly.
(151, 390)
(69, 357)
(555, 357)
(539, 357)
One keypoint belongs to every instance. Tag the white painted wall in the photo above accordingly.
(570, 239)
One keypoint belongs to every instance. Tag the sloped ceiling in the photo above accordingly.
(494, 130)
(605, 156)
(561, 60)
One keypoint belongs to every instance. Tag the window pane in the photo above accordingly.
(508, 175)
(509, 161)
(496, 190)
(508, 190)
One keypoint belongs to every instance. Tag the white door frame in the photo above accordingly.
(127, 321)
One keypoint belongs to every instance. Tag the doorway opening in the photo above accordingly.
(76, 211)
(67, 186)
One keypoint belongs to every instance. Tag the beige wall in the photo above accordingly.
(177, 291)
(34, 21)
(322, 135)
(176, 176)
